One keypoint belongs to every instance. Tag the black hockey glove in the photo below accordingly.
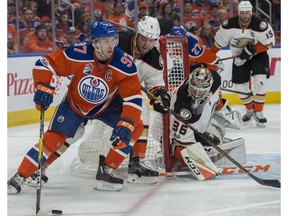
(212, 138)
(247, 52)
(164, 96)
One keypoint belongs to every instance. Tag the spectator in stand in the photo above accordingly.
(11, 9)
(34, 7)
(175, 19)
(201, 6)
(84, 25)
(225, 4)
(97, 5)
(222, 15)
(11, 39)
(109, 7)
(189, 20)
(118, 16)
(175, 6)
(143, 9)
(38, 42)
(206, 34)
(63, 25)
(167, 10)
(26, 27)
(70, 38)
(214, 21)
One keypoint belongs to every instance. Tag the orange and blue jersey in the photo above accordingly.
(95, 84)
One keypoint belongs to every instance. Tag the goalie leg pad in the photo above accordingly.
(198, 161)
(234, 148)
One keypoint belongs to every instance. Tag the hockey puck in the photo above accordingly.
(56, 211)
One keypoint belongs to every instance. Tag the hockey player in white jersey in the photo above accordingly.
(249, 38)
(195, 100)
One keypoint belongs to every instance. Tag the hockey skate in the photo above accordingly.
(14, 185)
(248, 116)
(260, 119)
(106, 180)
(139, 174)
(32, 180)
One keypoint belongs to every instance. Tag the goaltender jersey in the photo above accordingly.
(95, 84)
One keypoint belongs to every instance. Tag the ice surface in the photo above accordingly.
(228, 195)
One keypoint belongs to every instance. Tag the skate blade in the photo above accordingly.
(261, 125)
(105, 186)
(134, 179)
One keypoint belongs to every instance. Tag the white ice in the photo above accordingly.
(228, 195)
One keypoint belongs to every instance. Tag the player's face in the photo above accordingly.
(144, 44)
(107, 45)
(245, 16)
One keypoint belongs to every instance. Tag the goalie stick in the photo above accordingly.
(231, 170)
(265, 182)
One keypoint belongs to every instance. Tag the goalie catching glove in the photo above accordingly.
(43, 96)
(122, 133)
(164, 97)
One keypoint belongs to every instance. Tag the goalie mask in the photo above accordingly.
(199, 86)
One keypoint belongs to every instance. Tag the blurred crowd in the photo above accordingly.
(72, 19)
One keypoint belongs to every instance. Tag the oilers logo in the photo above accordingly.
(93, 89)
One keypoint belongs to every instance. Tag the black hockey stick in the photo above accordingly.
(237, 92)
(40, 156)
(266, 182)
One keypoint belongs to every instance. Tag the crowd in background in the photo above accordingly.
(72, 19)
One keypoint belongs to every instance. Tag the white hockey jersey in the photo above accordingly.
(258, 33)
(181, 104)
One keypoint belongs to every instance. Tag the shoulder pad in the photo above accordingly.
(230, 23)
(126, 65)
(263, 25)
(85, 51)
(258, 24)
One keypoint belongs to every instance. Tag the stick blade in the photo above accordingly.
(272, 183)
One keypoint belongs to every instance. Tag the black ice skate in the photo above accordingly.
(138, 170)
(248, 116)
(14, 185)
(106, 180)
(33, 179)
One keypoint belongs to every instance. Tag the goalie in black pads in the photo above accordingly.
(196, 100)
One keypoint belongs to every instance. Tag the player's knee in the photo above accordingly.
(53, 141)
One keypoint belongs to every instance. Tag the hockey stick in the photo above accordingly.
(40, 156)
(237, 92)
(266, 182)
(228, 58)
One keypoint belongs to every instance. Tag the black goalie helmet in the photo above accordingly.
(199, 86)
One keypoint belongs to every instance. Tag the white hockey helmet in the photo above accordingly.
(245, 6)
(199, 85)
(149, 27)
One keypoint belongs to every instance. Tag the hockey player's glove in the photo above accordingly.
(212, 138)
(43, 96)
(247, 52)
(165, 98)
(122, 133)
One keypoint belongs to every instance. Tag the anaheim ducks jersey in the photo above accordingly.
(258, 33)
(199, 53)
(181, 104)
(94, 84)
(149, 65)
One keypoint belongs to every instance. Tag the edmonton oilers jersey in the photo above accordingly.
(94, 84)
